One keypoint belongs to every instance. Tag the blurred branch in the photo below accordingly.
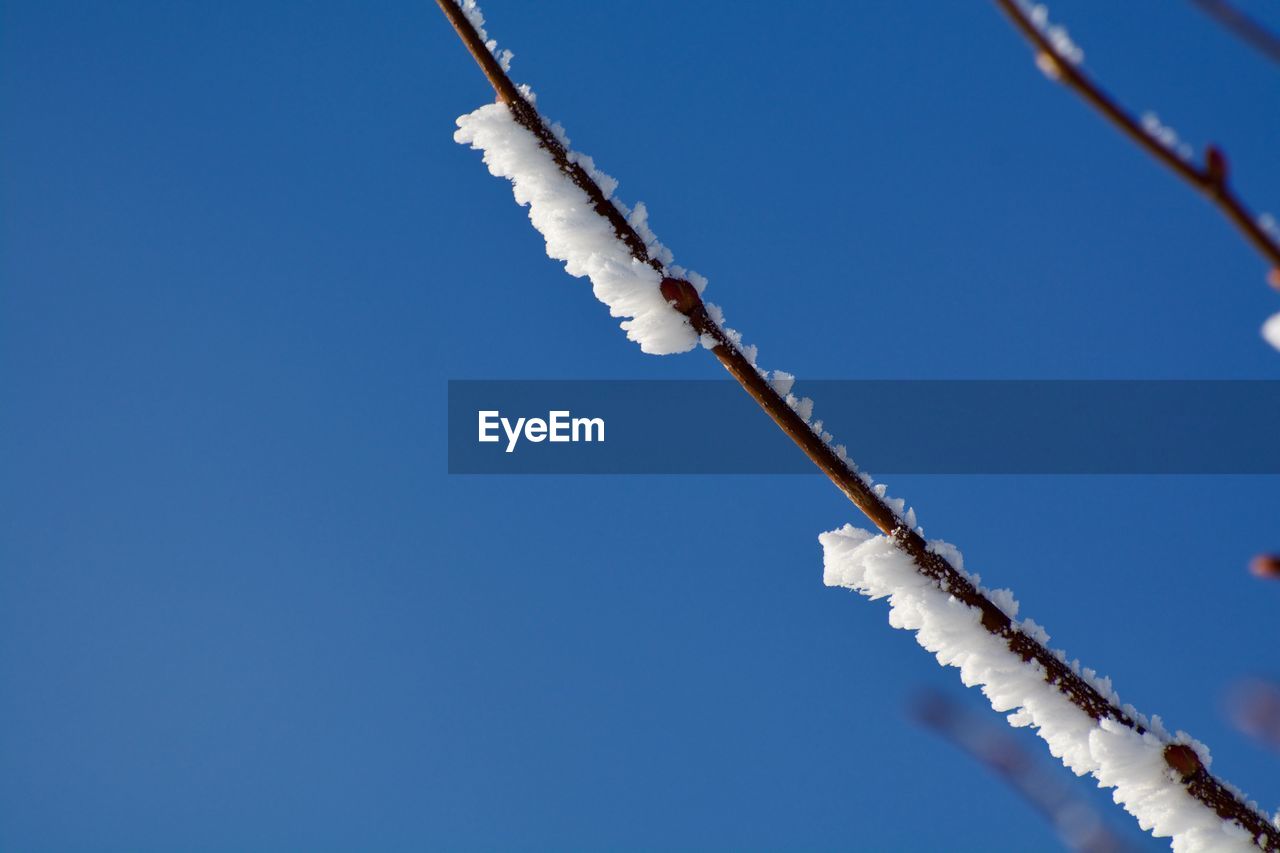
(1266, 566)
(1077, 823)
(1195, 777)
(1210, 178)
(1254, 707)
(1246, 28)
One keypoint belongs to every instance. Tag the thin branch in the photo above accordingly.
(1247, 29)
(1210, 178)
(1265, 566)
(527, 115)
(1198, 781)
(1254, 707)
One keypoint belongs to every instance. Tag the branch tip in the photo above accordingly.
(1215, 166)
(1265, 565)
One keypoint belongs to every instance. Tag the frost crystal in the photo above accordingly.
(1056, 35)
(472, 10)
(1271, 330)
(1267, 223)
(1165, 135)
(574, 232)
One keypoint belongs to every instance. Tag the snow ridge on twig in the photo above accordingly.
(471, 9)
(1056, 34)
(1116, 755)
(574, 232)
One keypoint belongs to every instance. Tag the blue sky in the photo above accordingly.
(243, 606)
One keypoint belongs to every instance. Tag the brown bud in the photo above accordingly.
(1273, 278)
(1048, 65)
(681, 294)
(1215, 165)
(1266, 566)
(1183, 760)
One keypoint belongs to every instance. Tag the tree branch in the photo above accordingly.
(1210, 178)
(1247, 29)
(1254, 707)
(1201, 784)
(1266, 566)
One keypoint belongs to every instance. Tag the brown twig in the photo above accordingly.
(1198, 781)
(1265, 566)
(1254, 707)
(527, 115)
(1210, 179)
(1247, 29)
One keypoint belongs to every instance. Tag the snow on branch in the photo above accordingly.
(1131, 758)
(1271, 330)
(1060, 59)
(575, 233)
(475, 17)
(571, 203)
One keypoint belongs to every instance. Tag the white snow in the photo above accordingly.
(1116, 755)
(1271, 330)
(1269, 226)
(472, 10)
(1165, 135)
(575, 233)
(1056, 35)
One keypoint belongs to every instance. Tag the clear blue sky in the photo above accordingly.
(243, 606)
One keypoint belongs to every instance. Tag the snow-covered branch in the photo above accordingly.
(1161, 779)
(1165, 780)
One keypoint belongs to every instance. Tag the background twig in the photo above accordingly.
(1254, 707)
(1266, 566)
(1210, 178)
(1249, 31)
